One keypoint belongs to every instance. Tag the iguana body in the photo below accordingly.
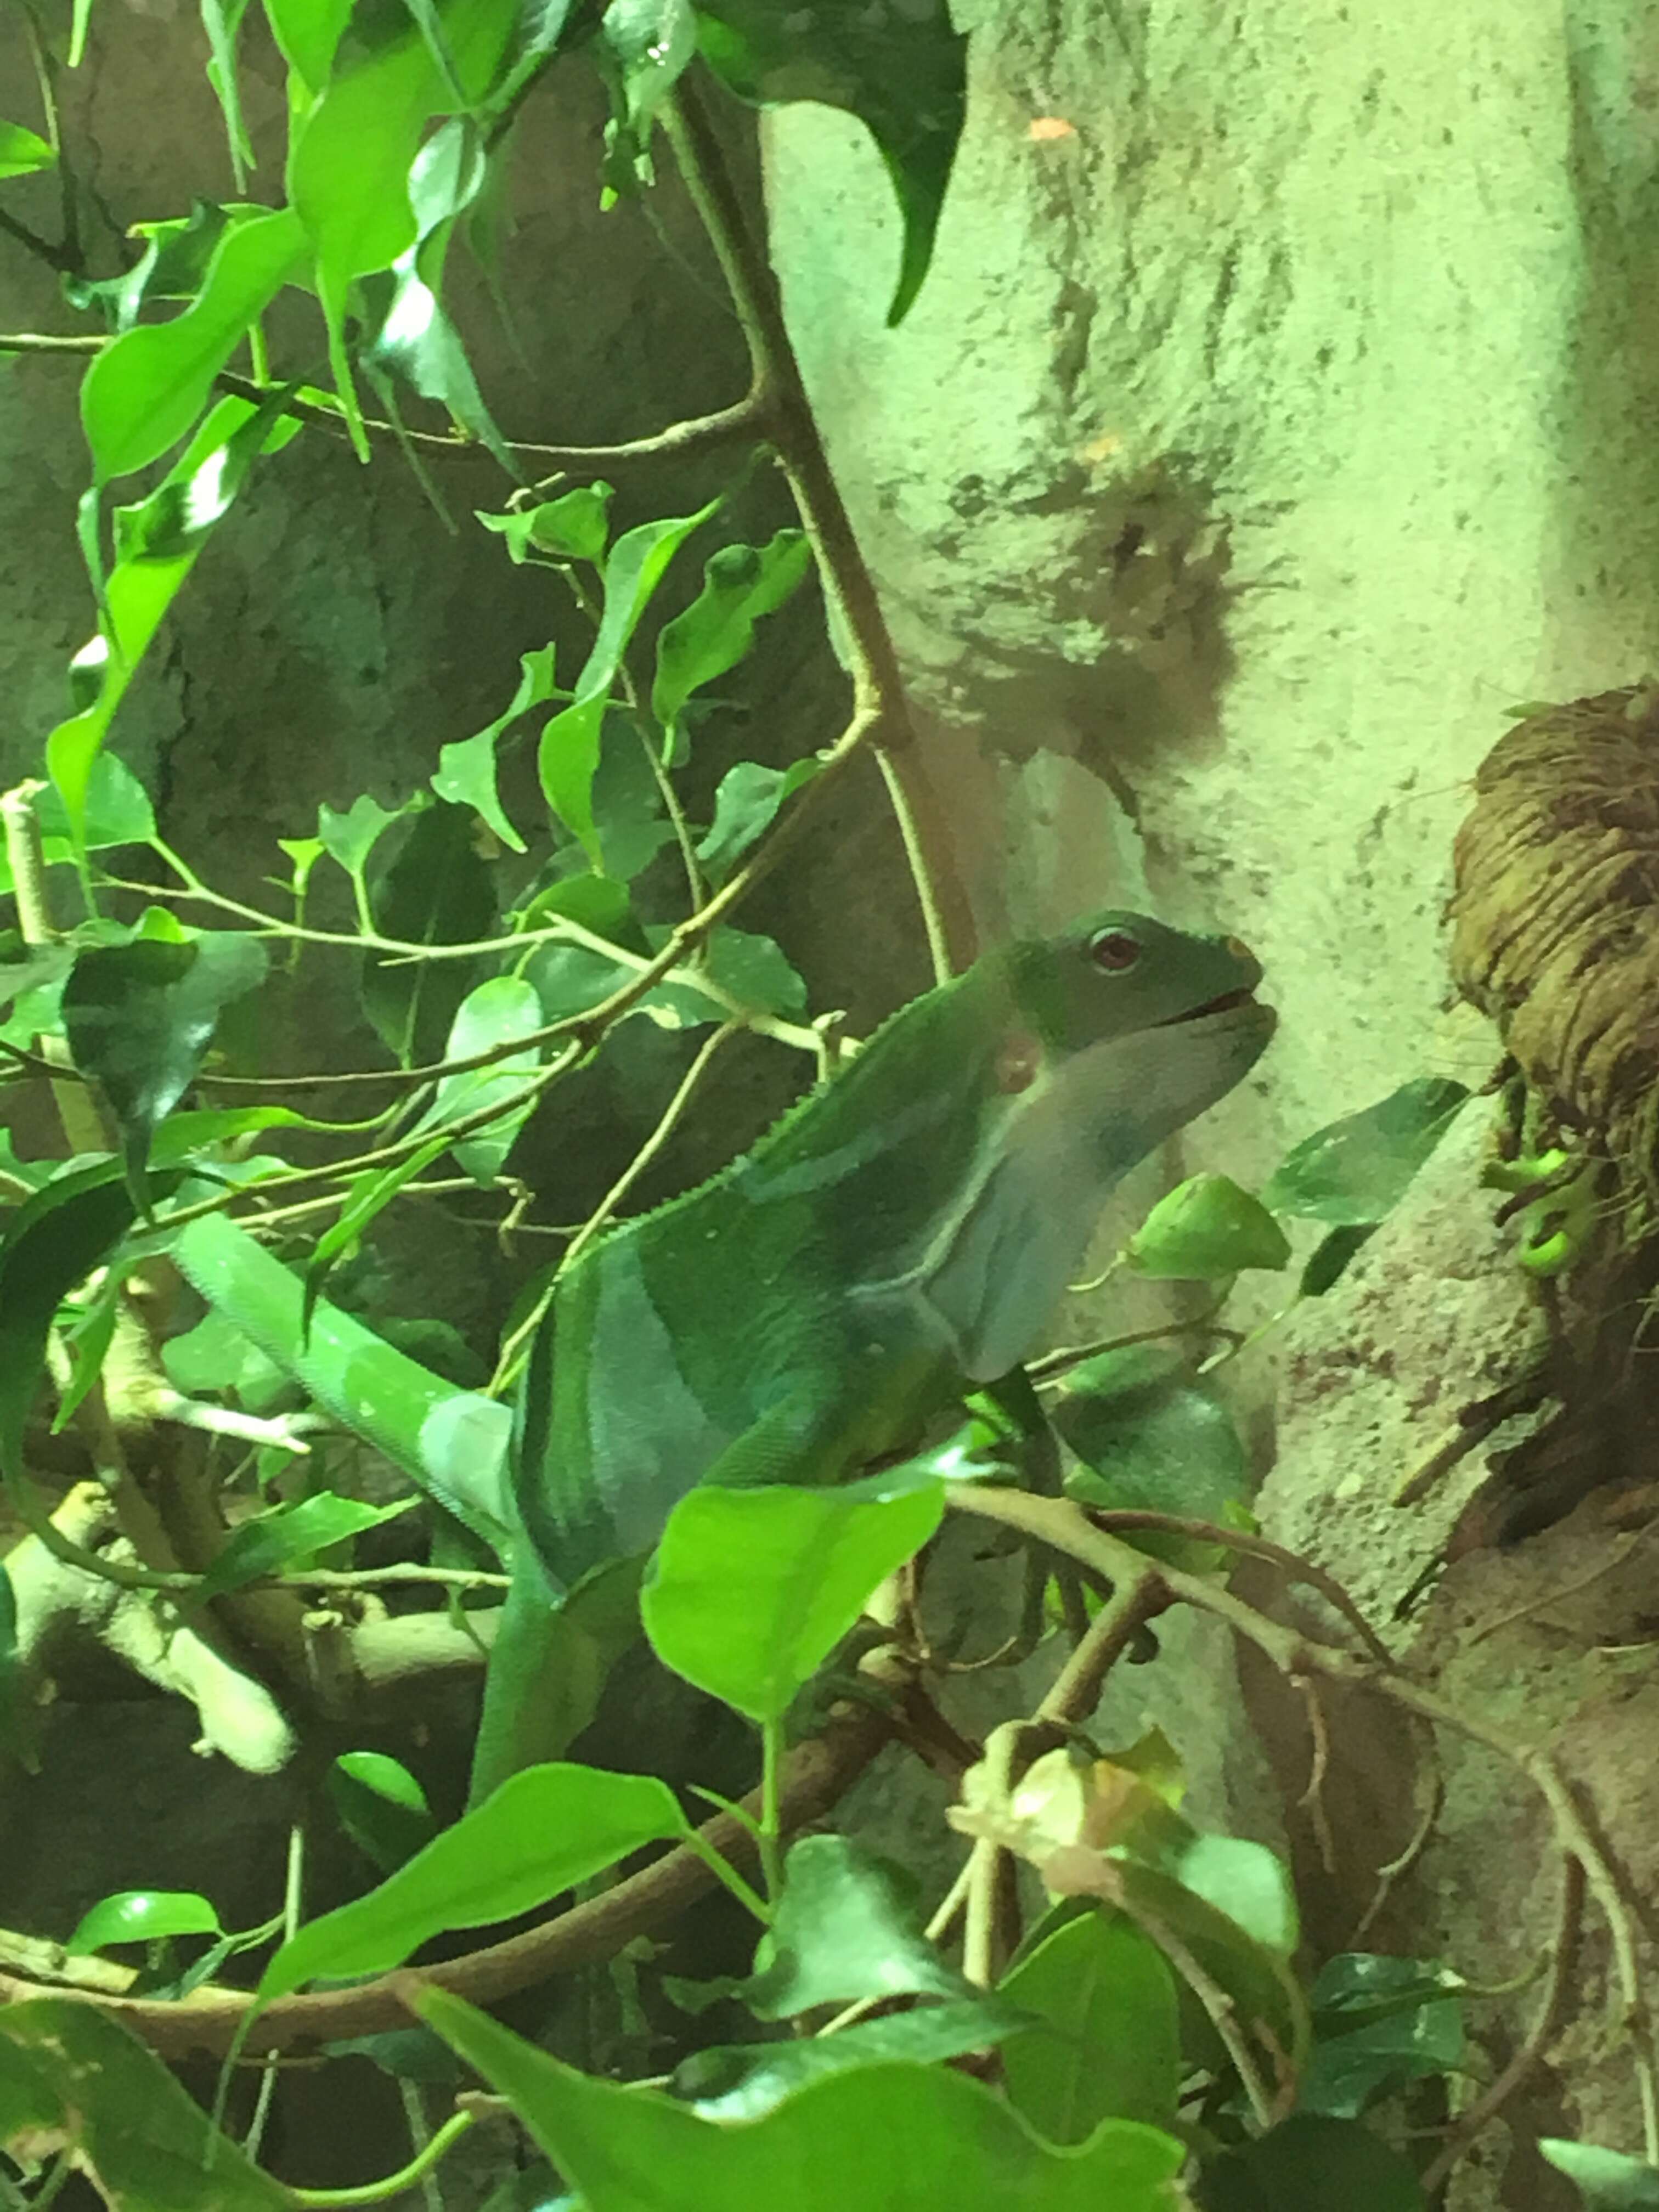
(903, 1232)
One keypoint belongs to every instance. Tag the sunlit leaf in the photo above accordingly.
(22, 152)
(381, 1806)
(883, 2138)
(144, 391)
(1607, 2180)
(540, 1832)
(140, 1915)
(753, 1588)
(1357, 1170)
(902, 71)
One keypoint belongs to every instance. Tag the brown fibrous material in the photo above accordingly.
(1556, 916)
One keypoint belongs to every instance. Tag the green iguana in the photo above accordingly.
(899, 1236)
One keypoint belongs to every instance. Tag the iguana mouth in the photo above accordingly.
(1223, 1005)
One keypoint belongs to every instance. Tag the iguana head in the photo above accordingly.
(1178, 1012)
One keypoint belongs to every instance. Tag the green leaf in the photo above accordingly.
(288, 1533)
(141, 1916)
(845, 1927)
(748, 797)
(1607, 2180)
(569, 751)
(350, 837)
(466, 771)
(902, 71)
(543, 1831)
(19, 1723)
(741, 584)
(22, 152)
(117, 811)
(173, 263)
(574, 526)
(630, 818)
(350, 159)
(1356, 1170)
(647, 45)
(752, 1589)
(1153, 1439)
(144, 392)
(87, 1344)
(53, 1240)
(752, 972)
(156, 542)
(1312, 2166)
(1244, 1880)
(382, 1807)
(369, 1196)
(740, 2081)
(139, 1019)
(222, 19)
(150, 2144)
(215, 1355)
(408, 331)
(437, 892)
(506, 1006)
(885, 2139)
(1206, 1228)
(452, 1443)
(307, 33)
(1378, 2022)
(1112, 2047)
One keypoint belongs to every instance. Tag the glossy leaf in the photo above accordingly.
(140, 1018)
(138, 2129)
(753, 1588)
(574, 526)
(142, 1915)
(1378, 2022)
(144, 391)
(1356, 1170)
(157, 543)
(883, 2138)
(1153, 1439)
(1312, 2166)
(466, 771)
(381, 1806)
(452, 1443)
(1607, 2180)
(19, 1729)
(1205, 1230)
(845, 1927)
(1112, 2047)
(902, 71)
(273, 1541)
(741, 2081)
(408, 331)
(741, 584)
(746, 805)
(569, 751)
(505, 1007)
(541, 1832)
(23, 152)
(437, 891)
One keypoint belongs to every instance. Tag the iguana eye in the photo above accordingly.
(1115, 949)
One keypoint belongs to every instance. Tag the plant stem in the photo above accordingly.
(773, 1751)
